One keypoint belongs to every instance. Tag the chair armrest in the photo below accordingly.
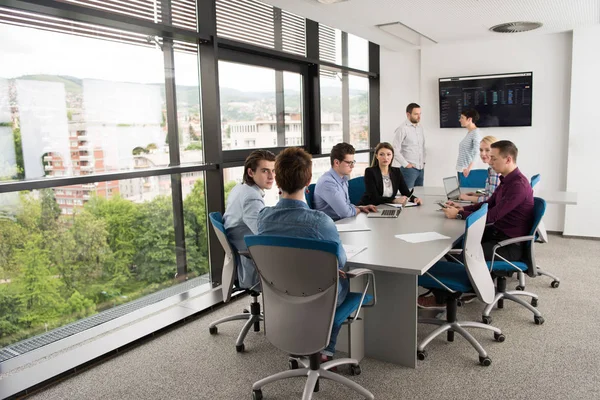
(519, 239)
(358, 272)
(370, 277)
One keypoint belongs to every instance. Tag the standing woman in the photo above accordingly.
(468, 147)
(493, 178)
(382, 181)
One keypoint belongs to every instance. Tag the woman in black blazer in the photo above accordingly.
(382, 181)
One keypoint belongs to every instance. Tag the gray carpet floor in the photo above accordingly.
(557, 360)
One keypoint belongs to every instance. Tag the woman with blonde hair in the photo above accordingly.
(493, 178)
(382, 181)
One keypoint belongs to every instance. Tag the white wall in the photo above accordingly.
(584, 134)
(543, 146)
(399, 86)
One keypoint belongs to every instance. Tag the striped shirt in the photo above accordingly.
(491, 183)
(468, 149)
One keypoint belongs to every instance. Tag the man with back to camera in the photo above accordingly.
(510, 212)
(409, 147)
(243, 205)
(331, 190)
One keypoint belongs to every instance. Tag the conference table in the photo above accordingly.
(390, 328)
(551, 196)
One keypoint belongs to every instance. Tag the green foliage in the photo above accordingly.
(139, 150)
(194, 146)
(19, 154)
(56, 269)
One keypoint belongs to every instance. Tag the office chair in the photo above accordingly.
(300, 286)
(229, 286)
(310, 196)
(501, 268)
(356, 189)
(476, 178)
(541, 236)
(449, 280)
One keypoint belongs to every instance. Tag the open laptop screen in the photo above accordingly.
(451, 186)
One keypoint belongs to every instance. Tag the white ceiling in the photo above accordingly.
(444, 21)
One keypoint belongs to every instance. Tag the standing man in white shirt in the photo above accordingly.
(409, 147)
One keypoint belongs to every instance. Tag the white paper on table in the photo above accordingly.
(351, 250)
(421, 237)
(408, 204)
(351, 227)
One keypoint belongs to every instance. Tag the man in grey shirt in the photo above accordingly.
(243, 205)
(409, 147)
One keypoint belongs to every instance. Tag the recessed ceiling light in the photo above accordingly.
(516, 27)
(330, 1)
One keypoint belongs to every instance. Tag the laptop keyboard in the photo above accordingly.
(390, 213)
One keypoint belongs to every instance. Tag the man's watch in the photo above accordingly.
(459, 215)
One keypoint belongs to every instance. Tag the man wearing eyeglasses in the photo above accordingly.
(331, 190)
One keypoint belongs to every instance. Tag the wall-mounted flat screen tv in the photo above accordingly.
(501, 99)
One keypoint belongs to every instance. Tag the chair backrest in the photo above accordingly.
(299, 286)
(230, 263)
(475, 263)
(535, 180)
(356, 189)
(310, 196)
(539, 209)
(476, 178)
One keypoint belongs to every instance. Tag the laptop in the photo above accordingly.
(451, 187)
(387, 213)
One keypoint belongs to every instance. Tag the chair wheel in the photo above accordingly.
(554, 284)
(459, 303)
(499, 337)
(240, 348)
(421, 355)
(538, 320)
(355, 370)
(485, 361)
(292, 363)
(257, 394)
(534, 302)
(213, 330)
(519, 287)
(486, 319)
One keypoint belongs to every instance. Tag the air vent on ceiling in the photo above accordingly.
(515, 27)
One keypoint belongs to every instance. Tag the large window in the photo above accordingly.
(79, 106)
(73, 251)
(332, 130)
(249, 107)
(359, 111)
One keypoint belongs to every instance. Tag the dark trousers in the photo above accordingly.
(491, 237)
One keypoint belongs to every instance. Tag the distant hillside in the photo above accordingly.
(71, 83)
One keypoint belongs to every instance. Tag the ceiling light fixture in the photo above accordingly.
(516, 27)
(406, 33)
(330, 1)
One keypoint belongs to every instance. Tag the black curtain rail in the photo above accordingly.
(94, 16)
(45, 183)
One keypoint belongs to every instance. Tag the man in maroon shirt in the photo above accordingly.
(510, 212)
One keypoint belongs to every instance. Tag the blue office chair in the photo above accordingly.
(501, 268)
(476, 178)
(541, 236)
(300, 286)
(310, 196)
(356, 189)
(449, 280)
(229, 286)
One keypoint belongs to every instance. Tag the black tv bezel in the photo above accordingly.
(484, 76)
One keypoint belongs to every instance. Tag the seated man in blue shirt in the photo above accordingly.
(243, 204)
(331, 190)
(292, 217)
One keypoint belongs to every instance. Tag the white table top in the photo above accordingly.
(387, 253)
(551, 197)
